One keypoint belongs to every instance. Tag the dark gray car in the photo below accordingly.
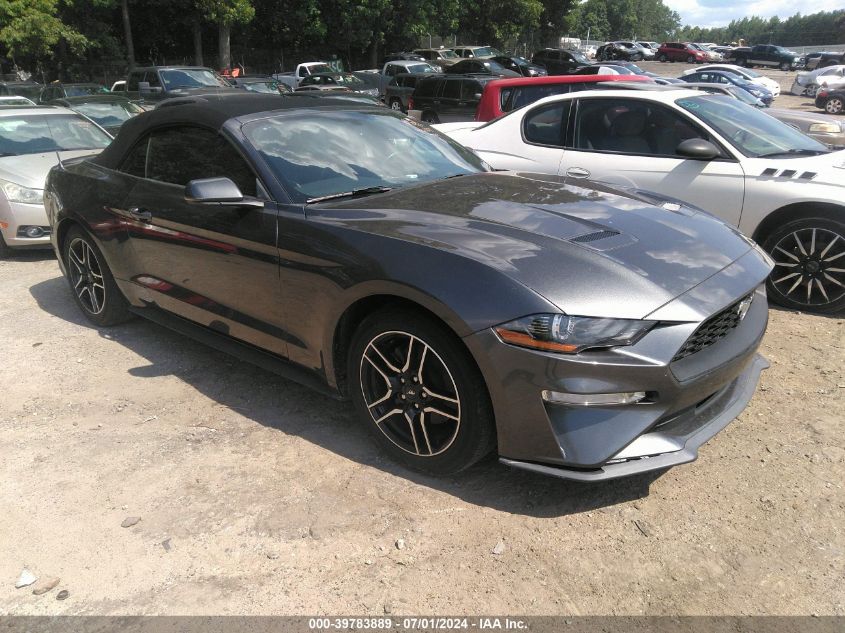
(577, 330)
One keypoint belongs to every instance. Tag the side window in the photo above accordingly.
(134, 78)
(181, 154)
(425, 89)
(135, 163)
(452, 89)
(152, 78)
(303, 71)
(470, 89)
(632, 127)
(546, 125)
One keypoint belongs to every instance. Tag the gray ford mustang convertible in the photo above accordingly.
(577, 330)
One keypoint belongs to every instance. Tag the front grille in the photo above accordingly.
(712, 330)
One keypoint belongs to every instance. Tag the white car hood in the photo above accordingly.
(30, 170)
(451, 128)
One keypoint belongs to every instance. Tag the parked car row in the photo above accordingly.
(461, 310)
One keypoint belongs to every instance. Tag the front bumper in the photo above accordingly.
(688, 399)
(14, 215)
(672, 443)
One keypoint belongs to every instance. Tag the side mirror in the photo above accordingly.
(477, 96)
(697, 149)
(218, 192)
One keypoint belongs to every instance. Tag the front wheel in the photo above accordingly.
(430, 117)
(662, 58)
(834, 105)
(811, 90)
(809, 271)
(785, 66)
(418, 391)
(91, 281)
(691, 59)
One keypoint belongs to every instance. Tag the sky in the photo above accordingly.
(721, 12)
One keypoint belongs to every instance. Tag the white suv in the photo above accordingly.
(780, 187)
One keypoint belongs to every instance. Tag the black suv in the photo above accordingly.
(559, 61)
(154, 83)
(448, 99)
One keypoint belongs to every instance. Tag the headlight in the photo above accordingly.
(570, 334)
(18, 193)
(832, 128)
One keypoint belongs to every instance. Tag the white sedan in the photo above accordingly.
(746, 73)
(780, 187)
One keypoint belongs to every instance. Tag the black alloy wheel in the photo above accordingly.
(91, 281)
(419, 393)
(809, 271)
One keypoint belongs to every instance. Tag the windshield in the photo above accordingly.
(84, 91)
(191, 78)
(635, 69)
(422, 68)
(447, 54)
(316, 69)
(349, 80)
(742, 95)
(36, 134)
(579, 57)
(748, 129)
(318, 154)
(747, 72)
(266, 87)
(108, 114)
(486, 51)
(30, 91)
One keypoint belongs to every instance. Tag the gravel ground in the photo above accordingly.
(257, 496)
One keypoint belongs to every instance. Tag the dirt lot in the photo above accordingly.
(256, 496)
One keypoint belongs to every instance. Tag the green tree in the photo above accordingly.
(33, 28)
(226, 13)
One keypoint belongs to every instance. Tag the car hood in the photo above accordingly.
(589, 249)
(30, 170)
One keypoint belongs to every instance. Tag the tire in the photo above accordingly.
(459, 427)
(91, 281)
(811, 90)
(808, 258)
(662, 58)
(691, 59)
(396, 104)
(743, 62)
(430, 117)
(785, 66)
(833, 105)
(636, 58)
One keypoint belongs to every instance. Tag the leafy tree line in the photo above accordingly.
(826, 27)
(98, 39)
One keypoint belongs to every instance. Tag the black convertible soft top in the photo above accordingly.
(211, 111)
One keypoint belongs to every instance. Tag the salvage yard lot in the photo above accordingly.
(257, 496)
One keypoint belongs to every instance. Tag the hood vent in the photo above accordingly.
(594, 237)
(771, 172)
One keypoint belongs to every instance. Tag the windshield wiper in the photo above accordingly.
(795, 152)
(355, 193)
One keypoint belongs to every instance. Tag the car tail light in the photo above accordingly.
(410, 103)
(822, 93)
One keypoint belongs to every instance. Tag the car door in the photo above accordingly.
(216, 265)
(631, 142)
(451, 108)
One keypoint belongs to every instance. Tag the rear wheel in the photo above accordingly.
(662, 58)
(809, 271)
(419, 393)
(430, 117)
(396, 104)
(691, 59)
(833, 105)
(91, 281)
(811, 90)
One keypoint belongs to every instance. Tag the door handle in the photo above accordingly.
(577, 172)
(140, 213)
